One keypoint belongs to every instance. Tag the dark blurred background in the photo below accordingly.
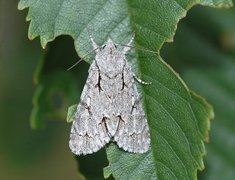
(26, 153)
(203, 53)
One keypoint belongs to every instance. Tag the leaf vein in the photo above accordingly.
(177, 124)
(171, 91)
(177, 156)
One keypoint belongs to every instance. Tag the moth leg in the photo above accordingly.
(141, 81)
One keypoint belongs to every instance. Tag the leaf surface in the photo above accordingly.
(178, 119)
(211, 73)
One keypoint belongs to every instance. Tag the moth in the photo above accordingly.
(110, 107)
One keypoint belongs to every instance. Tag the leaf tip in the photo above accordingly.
(43, 42)
(36, 119)
(106, 172)
(71, 113)
(21, 5)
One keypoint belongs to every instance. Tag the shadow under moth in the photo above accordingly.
(110, 107)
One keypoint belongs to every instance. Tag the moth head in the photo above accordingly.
(110, 45)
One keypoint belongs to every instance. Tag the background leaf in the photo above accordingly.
(25, 153)
(71, 113)
(56, 87)
(204, 53)
(178, 119)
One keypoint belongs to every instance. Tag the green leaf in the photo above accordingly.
(57, 88)
(178, 119)
(211, 73)
(131, 166)
(124, 164)
(71, 113)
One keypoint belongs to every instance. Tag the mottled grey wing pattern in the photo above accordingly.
(132, 133)
(110, 107)
(88, 131)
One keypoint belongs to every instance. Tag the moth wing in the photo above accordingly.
(88, 132)
(133, 132)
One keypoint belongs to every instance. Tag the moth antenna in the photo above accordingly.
(71, 67)
(127, 47)
(94, 45)
(81, 59)
(143, 49)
